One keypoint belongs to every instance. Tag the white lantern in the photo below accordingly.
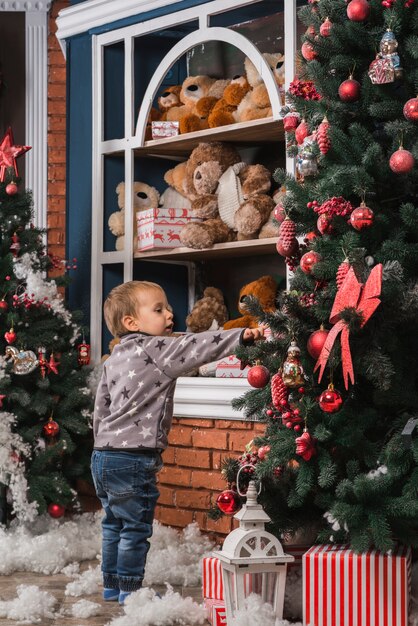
(253, 560)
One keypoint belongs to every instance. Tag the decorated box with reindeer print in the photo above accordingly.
(160, 228)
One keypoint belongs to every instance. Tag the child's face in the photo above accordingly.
(155, 315)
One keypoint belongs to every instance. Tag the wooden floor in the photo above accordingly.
(55, 585)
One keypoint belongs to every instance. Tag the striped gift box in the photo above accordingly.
(215, 611)
(213, 587)
(342, 588)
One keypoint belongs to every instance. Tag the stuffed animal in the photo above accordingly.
(271, 227)
(208, 313)
(256, 104)
(264, 289)
(144, 197)
(221, 113)
(168, 99)
(174, 196)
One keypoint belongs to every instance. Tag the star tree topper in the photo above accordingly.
(9, 153)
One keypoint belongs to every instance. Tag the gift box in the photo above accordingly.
(162, 130)
(161, 228)
(215, 611)
(342, 588)
(230, 367)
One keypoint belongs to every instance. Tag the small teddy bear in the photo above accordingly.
(168, 99)
(208, 313)
(264, 289)
(144, 197)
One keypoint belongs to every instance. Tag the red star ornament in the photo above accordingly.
(305, 446)
(9, 153)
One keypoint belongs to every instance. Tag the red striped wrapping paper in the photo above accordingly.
(342, 588)
(215, 611)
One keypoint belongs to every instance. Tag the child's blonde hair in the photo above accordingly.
(123, 300)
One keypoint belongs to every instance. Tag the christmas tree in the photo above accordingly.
(45, 402)
(337, 385)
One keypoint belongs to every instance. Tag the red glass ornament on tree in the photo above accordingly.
(11, 189)
(322, 136)
(325, 28)
(349, 90)
(51, 429)
(305, 446)
(324, 224)
(410, 110)
(15, 245)
(56, 510)
(52, 364)
(83, 353)
(309, 260)
(279, 213)
(10, 336)
(43, 364)
(291, 121)
(228, 502)
(330, 400)
(279, 391)
(308, 51)
(358, 10)
(361, 217)
(401, 161)
(342, 272)
(301, 132)
(316, 342)
(3, 305)
(258, 376)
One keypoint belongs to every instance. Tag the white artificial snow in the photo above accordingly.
(145, 608)
(71, 570)
(85, 608)
(87, 583)
(30, 606)
(293, 593)
(373, 474)
(257, 613)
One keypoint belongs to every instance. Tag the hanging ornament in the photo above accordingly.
(316, 342)
(263, 452)
(56, 510)
(361, 217)
(325, 28)
(228, 502)
(292, 371)
(2, 397)
(279, 391)
(358, 10)
(52, 364)
(330, 400)
(11, 188)
(279, 213)
(322, 136)
(15, 246)
(43, 364)
(342, 272)
(306, 161)
(401, 161)
(83, 350)
(310, 237)
(324, 224)
(51, 428)
(258, 376)
(9, 154)
(289, 249)
(309, 260)
(10, 336)
(291, 121)
(410, 110)
(308, 51)
(349, 90)
(388, 53)
(3, 305)
(301, 132)
(24, 361)
(305, 446)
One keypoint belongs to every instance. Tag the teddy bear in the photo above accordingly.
(144, 197)
(264, 289)
(208, 313)
(174, 196)
(256, 103)
(168, 99)
(221, 113)
(271, 227)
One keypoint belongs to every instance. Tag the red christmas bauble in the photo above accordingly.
(263, 452)
(330, 400)
(362, 217)
(279, 213)
(410, 110)
(349, 90)
(325, 28)
(301, 132)
(258, 376)
(309, 260)
(324, 224)
(287, 249)
(51, 428)
(401, 161)
(10, 336)
(310, 237)
(316, 342)
(228, 502)
(308, 51)
(291, 122)
(56, 510)
(11, 189)
(358, 10)
(3, 305)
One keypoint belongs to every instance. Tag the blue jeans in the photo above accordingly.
(125, 482)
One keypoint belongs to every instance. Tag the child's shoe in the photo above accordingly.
(123, 595)
(110, 595)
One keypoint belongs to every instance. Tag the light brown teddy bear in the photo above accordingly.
(208, 313)
(264, 289)
(144, 197)
(256, 104)
(222, 112)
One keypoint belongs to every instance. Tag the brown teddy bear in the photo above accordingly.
(208, 313)
(221, 113)
(168, 99)
(174, 196)
(144, 197)
(264, 289)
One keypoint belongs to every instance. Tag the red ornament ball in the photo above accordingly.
(308, 51)
(258, 376)
(358, 10)
(330, 400)
(11, 189)
(325, 28)
(279, 213)
(288, 248)
(324, 224)
(56, 510)
(51, 428)
(362, 217)
(410, 110)
(3, 305)
(349, 90)
(316, 342)
(310, 237)
(401, 161)
(228, 502)
(309, 260)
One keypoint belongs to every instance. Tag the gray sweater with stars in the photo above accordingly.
(134, 400)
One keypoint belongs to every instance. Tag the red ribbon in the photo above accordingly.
(365, 299)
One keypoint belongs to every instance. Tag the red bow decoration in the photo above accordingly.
(365, 299)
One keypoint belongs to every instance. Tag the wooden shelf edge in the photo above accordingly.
(232, 249)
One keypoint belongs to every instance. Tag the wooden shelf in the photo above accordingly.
(250, 247)
(262, 131)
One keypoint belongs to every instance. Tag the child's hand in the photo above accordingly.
(254, 333)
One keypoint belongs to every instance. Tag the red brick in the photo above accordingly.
(181, 436)
(193, 458)
(57, 188)
(56, 90)
(219, 457)
(196, 422)
(210, 439)
(56, 122)
(174, 517)
(175, 476)
(56, 172)
(211, 480)
(58, 251)
(168, 455)
(166, 496)
(222, 525)
(238, 440)
(55, 237)
(237, 425)
(56, 57)
(200, 518)
(57, 74)
(56, 156)
(56, 139)
(57, 107)
(56, 204)
(192, 499)
(56, 220)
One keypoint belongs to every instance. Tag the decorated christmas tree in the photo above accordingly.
(337, 384)
(45, 402)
